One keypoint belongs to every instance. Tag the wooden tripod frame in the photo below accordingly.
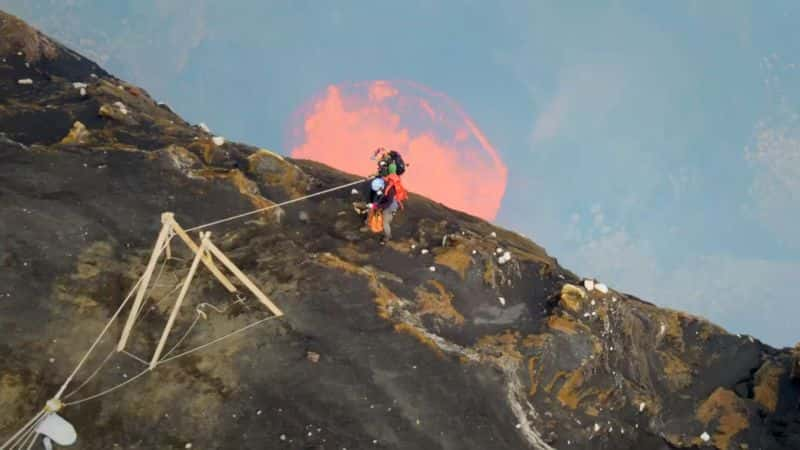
(206, 253)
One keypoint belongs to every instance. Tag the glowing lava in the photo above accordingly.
(449, 159)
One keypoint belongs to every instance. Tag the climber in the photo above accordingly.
(386, 157)
(394, 194)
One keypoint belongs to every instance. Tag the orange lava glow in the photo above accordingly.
(449, 159)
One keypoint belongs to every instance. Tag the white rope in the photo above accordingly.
(136, 358)
(180, 355)
(97, 341)
(85, 382)
(200, 347)
(277, 205)
(23, 431)
(180, 341)
(107, 391)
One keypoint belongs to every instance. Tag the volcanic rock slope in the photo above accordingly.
(430, 342)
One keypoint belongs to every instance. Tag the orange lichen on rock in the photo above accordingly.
(767, 385)
(417, 333)
(572, 297)
(500, 346)
(438, 303)
(533, 375)
(727, 410)
(565, 324)
(456, 258)
(676, 371)
(570, 394)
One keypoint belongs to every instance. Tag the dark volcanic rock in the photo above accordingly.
(375, 349)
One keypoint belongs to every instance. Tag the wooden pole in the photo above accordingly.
(243, 278)
(184, 289)
(207, 261)
(148, 273)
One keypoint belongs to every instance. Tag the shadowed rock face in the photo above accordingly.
(408, 357)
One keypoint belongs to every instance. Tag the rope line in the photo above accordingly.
(180, 341)
(200, 347)
(96, 371)
(18, 436)
(107, 391)
(24, 434)
(136, 358)
(277, 205)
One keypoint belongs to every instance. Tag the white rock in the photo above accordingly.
(602, 288)
(641, 407)
(504, 258)
(424, 251)
(19, 53)
(589, 285)
(93, 75)
(413, 246)
(79, 85)
(432, 268)
(283, 437)
(705, 437)
(519, 425)
(596, 427)
(258, 413)
(494, 234)
(218, 140)
(83, 92)
(188, 445)
(593, 302)
(354, 191)
(499, 250)
(502, 300)
(25, 81)
(204, 127)
(474, 252)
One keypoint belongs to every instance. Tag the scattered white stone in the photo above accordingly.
(589, 285)
(504, 258)
(258, 413)
(519, 425)
(593, 302)
(25, 81)
(354, 191)
(502, 300)
(27, 65)
(19, 53)
(83, 92)
(602, 288)
(413, 246)
(499, 250)
(204, 127)
(218, 140)
(494, 234)
(52, 360)
(614, 299)
(79, 85)
(93, 75)
(596, 427)
(283, 437)
(121, 107)
(188, 445)
(432, 268)
(705, 437)
(424, 251)
(375, 441)
(474, 252)
(642, 406)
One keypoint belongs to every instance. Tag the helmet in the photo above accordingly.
(378, 184)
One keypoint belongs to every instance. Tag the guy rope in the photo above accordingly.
(206, 253)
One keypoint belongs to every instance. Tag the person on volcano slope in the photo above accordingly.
(394, 194)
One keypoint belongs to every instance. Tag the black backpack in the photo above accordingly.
(398, 161)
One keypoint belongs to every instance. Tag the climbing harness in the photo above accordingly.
(206, 253)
